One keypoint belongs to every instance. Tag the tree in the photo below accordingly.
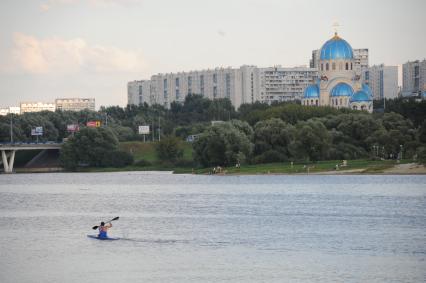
(89, 147)
(271, 140)
(222, 144)
(169, 149)
(312, 141)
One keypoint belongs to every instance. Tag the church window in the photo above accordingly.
(326, 66)
(333, 66)
(347, 66)
(316, 102)
(340, 101)
(340, 66)
(322, 66)
(351, 66)
(312, 102)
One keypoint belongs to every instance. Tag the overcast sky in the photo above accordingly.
(92, 48)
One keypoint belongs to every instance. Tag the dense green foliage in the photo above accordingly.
(97, 147)
(256, 133)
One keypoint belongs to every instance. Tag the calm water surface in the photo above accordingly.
(185, 228)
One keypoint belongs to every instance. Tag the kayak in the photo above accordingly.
(104, 239)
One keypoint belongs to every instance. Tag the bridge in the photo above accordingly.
(8, 151)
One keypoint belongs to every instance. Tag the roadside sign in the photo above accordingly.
(73, 128)
(143, 130)
(93, 124)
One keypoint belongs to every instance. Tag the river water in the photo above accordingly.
(188, 228)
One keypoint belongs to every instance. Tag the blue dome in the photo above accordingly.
(342, 89)
(367, 89)
(336, 48)
(360, 96)
(311, 91)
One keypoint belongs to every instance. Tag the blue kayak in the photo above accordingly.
(103, 239)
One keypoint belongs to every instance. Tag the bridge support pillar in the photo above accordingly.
(8, 164)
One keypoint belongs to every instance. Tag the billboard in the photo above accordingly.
(143, 130)
(93, 124)
(38, 131)
(73, 128)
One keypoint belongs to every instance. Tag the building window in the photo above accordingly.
(228, 85)
(177, 94)
(340, 101)
(140, 90)
(214, 91)
(340, 66)
(351, 65)
(312, 102)
(347, 66)
(177, 82)
(355, 108)
(322, 66)
(326, 66)
(214, 78)
(316, 102)
(333, 66)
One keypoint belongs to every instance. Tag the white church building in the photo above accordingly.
(339, 84)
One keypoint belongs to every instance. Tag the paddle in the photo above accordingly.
(96, 227)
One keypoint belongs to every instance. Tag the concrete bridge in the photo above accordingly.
(8, 151)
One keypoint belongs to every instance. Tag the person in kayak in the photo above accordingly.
(103, 230)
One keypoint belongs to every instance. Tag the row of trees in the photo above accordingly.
(344, 136)
(256, 133)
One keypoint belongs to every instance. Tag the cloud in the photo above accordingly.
(54, 55)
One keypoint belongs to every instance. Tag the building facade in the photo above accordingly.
(10, 110)
(339, 84)
(246, 84)
(139, 92)
(75, 104)
(279, 84)
(36, 107)
(414, 78)
(382, 80)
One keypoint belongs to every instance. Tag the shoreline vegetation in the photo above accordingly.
(146, 159)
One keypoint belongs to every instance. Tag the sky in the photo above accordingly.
(91, 48)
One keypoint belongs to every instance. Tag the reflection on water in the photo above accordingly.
(185, 228)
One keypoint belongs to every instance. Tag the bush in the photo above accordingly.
(117, 158)
(169, 149)
(270, 156)
(143, 163)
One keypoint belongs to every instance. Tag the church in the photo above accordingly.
(339, 85)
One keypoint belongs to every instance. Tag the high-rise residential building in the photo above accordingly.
(216, 83)
(414, 78)
(75, 104)
(382, 80)
(279, 84)
(360, 59)
(37, 107)
(138, 92)
(246, 84)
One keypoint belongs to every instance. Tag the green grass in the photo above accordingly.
(146, 150)
(367, 166)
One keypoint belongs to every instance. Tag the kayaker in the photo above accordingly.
(103, 229)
